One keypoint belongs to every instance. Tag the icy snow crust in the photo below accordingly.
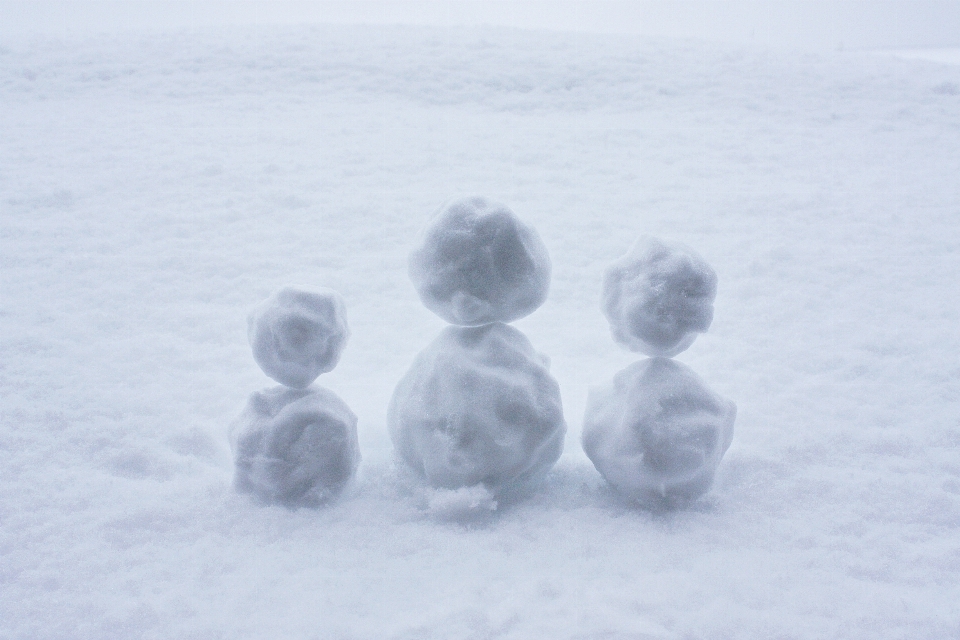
(658, 297)
(296, 447)
(297, 334)
(478, 405)
(477, 263)
(154, 189)
(657, 433)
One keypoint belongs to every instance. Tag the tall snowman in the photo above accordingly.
(656, 432)
(478, 406)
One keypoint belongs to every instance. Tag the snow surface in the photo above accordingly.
(298, 333)
(153, 189)
(658, 297)
(294, 446)
(478, 406)
(657, 433)
(943, 55)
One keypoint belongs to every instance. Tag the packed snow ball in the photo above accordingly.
(297, 334)
(658, 297)
(657, 433)
(296, 447)
(477, 263)
(478, 405)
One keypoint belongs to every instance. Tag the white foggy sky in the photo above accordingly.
(851, 24)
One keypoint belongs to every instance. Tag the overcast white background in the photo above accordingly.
(814, 24)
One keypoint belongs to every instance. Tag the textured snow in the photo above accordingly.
(154, 189)
(294, 447)
(477, 263)
(297, 334)
(657, 433)
(658, 297)
(478, 405)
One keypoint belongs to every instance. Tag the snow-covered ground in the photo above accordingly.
(943, 55)
(154, 188)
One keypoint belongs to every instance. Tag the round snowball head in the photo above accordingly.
(657, 433)
(297, 334)
(658, 297)
(478, 406)
(294, 447)
(477, 263)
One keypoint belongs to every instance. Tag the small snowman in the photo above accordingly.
(478, 407)
(657, 433)
(295, 444)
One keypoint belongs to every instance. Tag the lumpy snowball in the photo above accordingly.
(477, 263)
(297, 334)
(658, 297)
(294, 447)
(478, 406)
(657, 433)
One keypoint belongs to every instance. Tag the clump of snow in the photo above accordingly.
(658, 296)
(657, 433)
(294, 447)
(478, 405)
(477, 263)
(462, 503)
(297, 334)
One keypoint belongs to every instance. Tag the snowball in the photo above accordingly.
(658, 296)
(294, 447)
(297, 334)
(478, 405)
(657, 433)
(476, 263)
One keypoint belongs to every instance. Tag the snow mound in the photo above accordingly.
(297, 334)
(294, 447)
(657, 433)
(478, 405)
(477, 263)
(658, 296)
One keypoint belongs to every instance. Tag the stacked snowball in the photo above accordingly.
(656, 432)
(476, 263)
(293, 444)
(478, 406)
(657, 297)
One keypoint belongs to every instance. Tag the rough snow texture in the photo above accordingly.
(658, 296)
(294, 447)
(657, 433)
(477, 263)
(478, 405)
(297, 334)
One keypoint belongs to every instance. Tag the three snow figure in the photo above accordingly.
(478, 407)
